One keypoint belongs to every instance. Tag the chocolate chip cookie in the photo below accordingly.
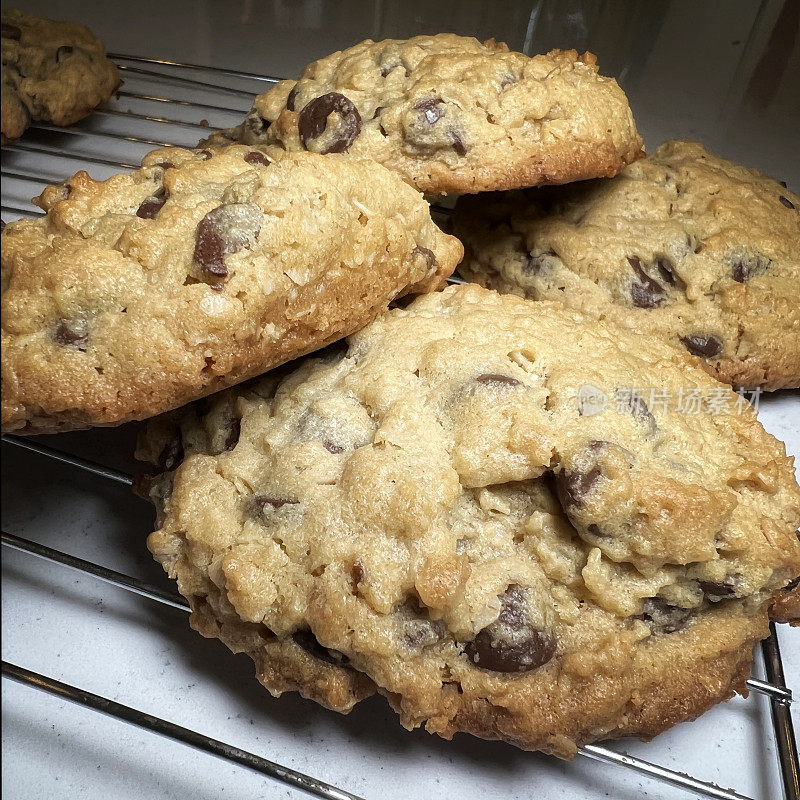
(430, 515)
(52, 71)
(453, 115)
(143, 292)
(682, 246)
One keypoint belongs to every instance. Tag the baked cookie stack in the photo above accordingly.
(488, 503)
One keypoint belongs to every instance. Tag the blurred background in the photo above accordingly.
(726, 72)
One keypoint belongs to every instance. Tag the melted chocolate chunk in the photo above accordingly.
(11, 32)
(254, 157)
(150, 206)
(745, 267)
(63, 53)
(496, 380)
(427, 254)
(662, 617)
(172, 454)
(309, 643)
(786, 201)
(234, 432)
(705, 346)
(573, 486)
(511, 644)
(432, 109)
(71, 333)
(313, 121)
(378, 112)
(225, 230)
(290, 98)
(646, 292)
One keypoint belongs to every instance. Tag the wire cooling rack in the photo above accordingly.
(152, 110)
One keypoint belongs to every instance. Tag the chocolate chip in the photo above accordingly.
(290, 98)
(427, 254)
(665, 270)
(313, 121)
(705, 346)
(332, 448)
(432, 109)
(254, 157)
(786, 201)
(662, 617)
(647, 292)
(63, 53)
(511, 644)
(71, 333)
(745, 267)
(11, 32)
(387, 68)
(225, 230)
(255, 124)
(458, 144)
(309, 643)
(172, 454)
(497, 381)
(378, 112)
(234, 432)
(635, 403)
(150, 206)
(164, 164)
(573, 486)
(715, 590)
(259, 502)
(357, 573)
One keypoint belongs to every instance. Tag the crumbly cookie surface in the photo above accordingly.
(452, 114)
(140, 293)
(430, 516)
(683, 246)
(52, 71)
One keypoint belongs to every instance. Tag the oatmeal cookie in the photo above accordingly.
(137, 294)
(682, 246)
(429, 515)
(452, 114)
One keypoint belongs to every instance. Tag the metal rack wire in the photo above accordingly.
(127, 135)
